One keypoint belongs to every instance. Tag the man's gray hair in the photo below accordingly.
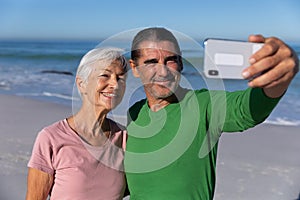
(104, 57)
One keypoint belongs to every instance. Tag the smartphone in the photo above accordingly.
(226, 59)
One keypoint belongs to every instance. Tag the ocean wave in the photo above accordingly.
(283, 121)
(57, 72)
(37, 56)
(5, 85)
(62, 96)
(50, 94)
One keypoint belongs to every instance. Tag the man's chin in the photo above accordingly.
(161, 92)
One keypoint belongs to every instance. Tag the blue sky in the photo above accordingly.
(94, 19)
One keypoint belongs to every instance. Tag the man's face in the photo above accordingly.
(159, 68)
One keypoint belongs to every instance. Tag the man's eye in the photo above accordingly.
(149, 65)
(152, 61)
(171, 60)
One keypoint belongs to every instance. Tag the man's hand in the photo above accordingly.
(276, 62)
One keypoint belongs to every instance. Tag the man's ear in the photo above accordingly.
(180, 64)
(134, 68)
(80, 85)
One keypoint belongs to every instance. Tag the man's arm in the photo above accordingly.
(38, 184)
(278, 63)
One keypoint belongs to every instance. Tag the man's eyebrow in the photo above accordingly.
(175, 57)
(149, 61)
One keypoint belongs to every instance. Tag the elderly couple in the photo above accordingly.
(81, 157)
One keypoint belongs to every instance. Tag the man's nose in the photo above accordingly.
(162, 69)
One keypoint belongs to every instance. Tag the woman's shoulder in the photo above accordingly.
(118, 134)
(58, 125)
(55, 130)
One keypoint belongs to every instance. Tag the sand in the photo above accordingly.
(261, 163)
(20, 121)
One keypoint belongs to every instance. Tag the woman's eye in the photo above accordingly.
(121, 78)
(104, 75)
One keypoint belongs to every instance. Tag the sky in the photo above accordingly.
(199, 19)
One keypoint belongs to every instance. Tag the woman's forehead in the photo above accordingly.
(111, 66)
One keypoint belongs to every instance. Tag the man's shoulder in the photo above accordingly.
(138, 105)
(198, 92)
(135, 109)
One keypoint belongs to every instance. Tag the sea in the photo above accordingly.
(45, 71)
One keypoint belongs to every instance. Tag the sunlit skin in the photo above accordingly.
(161, 77)
(104, 89)
(102, 92)
(279, 62)
(158, 67)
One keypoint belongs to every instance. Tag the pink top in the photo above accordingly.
(81, 171)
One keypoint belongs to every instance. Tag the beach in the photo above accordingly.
(261, 163)
(20, 121)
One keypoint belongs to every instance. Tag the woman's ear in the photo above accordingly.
(80, 85)
(134, 68)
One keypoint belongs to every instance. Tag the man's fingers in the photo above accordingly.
(282, 72)
(268, 49)
(256, 38)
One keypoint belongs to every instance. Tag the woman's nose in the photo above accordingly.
(113, 82)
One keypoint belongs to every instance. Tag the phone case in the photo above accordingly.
(226, 59)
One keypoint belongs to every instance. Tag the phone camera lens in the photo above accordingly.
(213, 72)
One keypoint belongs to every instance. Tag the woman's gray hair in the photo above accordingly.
(103, 57)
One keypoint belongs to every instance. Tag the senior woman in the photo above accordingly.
(81, 157)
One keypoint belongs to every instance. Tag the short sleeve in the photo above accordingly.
(42, 153)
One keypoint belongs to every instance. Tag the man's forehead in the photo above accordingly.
(150, 47)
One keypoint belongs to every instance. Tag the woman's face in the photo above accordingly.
(105, 87)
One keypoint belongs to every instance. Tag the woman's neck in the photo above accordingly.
(93, 127)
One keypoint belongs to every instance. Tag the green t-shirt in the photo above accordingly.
(171, 154)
